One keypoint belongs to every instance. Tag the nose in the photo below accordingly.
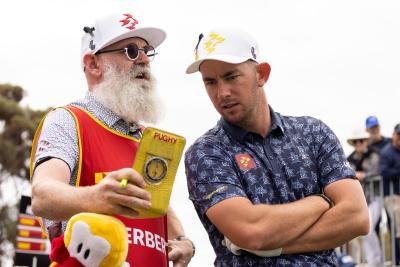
(142, 58)
(223, 90)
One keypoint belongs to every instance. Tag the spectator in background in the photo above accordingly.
(389, 163)
(389, 166)
(364, 161)
(376, 140)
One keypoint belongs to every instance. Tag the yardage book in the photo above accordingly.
(157, 160)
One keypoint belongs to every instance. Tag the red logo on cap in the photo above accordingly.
(245, 161)
(129, 22)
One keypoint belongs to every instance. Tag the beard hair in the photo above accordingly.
(134, 100)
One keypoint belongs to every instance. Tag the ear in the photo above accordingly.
(92, 65)
(263, 70)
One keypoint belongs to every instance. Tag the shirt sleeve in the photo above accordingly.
(211, 175)
(331, 160)
(58, 138)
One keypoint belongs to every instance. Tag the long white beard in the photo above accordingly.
(132, 99)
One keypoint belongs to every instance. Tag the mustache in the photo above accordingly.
(137, 71)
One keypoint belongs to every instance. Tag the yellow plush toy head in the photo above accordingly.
(96, 240)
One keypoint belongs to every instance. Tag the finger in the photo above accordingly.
(130, 174)
(132, 201)
(134, 191)
(125, 211)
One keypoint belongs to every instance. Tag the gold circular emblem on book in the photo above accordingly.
(155, 169)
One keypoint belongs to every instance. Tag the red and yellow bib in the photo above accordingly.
(103, 150)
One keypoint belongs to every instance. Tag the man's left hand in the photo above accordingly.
(180, 252)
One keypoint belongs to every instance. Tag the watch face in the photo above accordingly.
(155, 169)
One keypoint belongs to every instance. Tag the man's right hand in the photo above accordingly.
(109, 197)
(55, 199)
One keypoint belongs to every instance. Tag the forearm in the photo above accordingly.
(287, 222)
(262, 226)
(333, 229)
(58, 201)
(346, 220)
(175, 227)
(182, 249)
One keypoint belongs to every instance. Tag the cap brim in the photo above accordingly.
(153, 36)
(350, 141)
(195, 66)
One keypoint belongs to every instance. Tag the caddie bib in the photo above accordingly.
(101, 151)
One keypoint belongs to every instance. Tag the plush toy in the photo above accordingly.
(91, 240)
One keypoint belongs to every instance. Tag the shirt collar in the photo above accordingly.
(239, 133)
(96, 107)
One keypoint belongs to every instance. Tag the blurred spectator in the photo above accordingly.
(389, 163)
(389, 166)
(364, 161)
(376, 139)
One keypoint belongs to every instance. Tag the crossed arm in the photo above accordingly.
(346, 220)
(305, 225)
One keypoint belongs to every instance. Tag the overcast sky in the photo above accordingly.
(334, 60)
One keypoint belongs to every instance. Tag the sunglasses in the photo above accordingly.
(132, 51)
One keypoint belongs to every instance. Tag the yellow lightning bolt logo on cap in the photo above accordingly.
(214, 40)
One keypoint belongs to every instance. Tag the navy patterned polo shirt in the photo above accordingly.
(297, 158)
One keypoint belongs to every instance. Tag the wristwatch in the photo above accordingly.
(183, 238)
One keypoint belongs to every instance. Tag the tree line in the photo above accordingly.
(17, 128)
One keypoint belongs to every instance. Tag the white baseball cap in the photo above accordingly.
(116, 27)
(228, 45)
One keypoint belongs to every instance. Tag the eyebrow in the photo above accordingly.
(225, 75)
(229, 73)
